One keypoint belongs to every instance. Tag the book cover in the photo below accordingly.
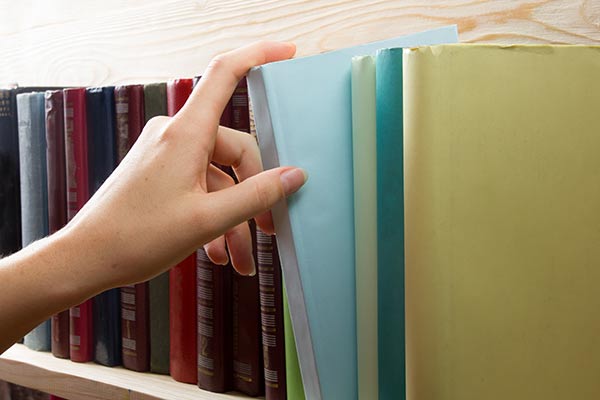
(364, 163)
(76, 163)
(57, 201)
(302, 110)
(135, 322)
(100, 103)
(182, 281)
(34, 190)
(271, 309)
(501, 193)
(214, 324)
(155, 104)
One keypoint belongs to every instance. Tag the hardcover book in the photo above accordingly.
(155, 103)
(76, 162)
(302, 110)
(34, 190)
(57, 201)
(501, 203)
(182, 281)
(135, 322)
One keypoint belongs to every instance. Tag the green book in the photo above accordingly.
(502, 189)
(295, 390)
(364, 160)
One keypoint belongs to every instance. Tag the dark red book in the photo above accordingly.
(57, 201)
(240, 108)
(135, 319)
(214, 324)
(182, 281)
(271, 309)
(76, 151)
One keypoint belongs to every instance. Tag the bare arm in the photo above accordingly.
(163, 201)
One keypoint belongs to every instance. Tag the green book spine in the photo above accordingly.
(295, 389)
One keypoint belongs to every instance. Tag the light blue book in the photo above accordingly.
(34, 190)
(302, 111)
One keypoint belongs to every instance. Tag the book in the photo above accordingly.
(364, 168)
(501, 194)
(155, 104)
(102, 159)
(308, 123)
(182, 281)
(57, 201)
(135, 321)
(214, 324)
(76, 163)
(34, 190)
(293, 379)
(271, 309)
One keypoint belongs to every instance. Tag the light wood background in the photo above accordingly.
(65, 42)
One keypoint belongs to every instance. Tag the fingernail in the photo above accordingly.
(292, 179)
(253, 273)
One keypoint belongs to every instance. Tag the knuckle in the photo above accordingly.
(263, 194)
(157, 122)
(218, 62)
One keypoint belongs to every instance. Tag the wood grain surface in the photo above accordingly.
(64, 42)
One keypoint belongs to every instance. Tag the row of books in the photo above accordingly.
(446, 244)
(200, 322)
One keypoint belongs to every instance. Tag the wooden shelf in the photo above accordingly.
(74, 381)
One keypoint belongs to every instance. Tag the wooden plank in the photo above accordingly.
(76, 381)
(63, 42)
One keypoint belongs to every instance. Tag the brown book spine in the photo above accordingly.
(271, 309)
(214, 324)
(247, 349)
(135, 322)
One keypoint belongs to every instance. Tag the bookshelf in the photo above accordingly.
(61, 42)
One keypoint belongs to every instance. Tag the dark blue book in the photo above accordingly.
(102, 159)
(34, 190)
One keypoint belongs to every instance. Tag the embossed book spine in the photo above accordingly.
(57, 201)
(135, 328)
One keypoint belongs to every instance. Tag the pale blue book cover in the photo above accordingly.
(302, 110)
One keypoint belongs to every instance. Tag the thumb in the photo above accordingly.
(253, 196)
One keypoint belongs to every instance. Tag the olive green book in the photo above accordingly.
(502, 195)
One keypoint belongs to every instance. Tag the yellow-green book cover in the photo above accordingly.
(502, 186)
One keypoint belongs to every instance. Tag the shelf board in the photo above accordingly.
(74, 381)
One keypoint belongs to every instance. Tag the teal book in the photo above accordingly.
(34, 191)
(390, 224)
(364, 159)
(302, 110)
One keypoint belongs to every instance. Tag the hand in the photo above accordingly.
(166, 199)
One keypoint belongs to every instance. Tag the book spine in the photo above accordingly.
(240, 109)
(102, 160)
(214, 324)
(271, 309)
(57, 201)
(182, 281)
(155, 103)
(135, 328)
(34, 190)
(10, 195)
(247, 350)
(293, 378)
(76, 161)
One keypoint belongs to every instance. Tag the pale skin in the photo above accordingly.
(163, 202)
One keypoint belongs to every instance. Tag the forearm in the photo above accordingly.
(43, 279)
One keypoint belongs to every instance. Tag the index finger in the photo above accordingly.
(221, 77)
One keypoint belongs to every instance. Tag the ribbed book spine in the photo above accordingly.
(155, 103)
(34, 190)
(102, 161)
(76, 145)
(182, 281)
(271, 309)
(135, 328)
(57, 201)
(10, 205)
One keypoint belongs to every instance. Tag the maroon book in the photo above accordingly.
(182, 281)
(76, 161)
(57, 201)
(135, 320)
(271, 309)
(214, 324)
(247, 350)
